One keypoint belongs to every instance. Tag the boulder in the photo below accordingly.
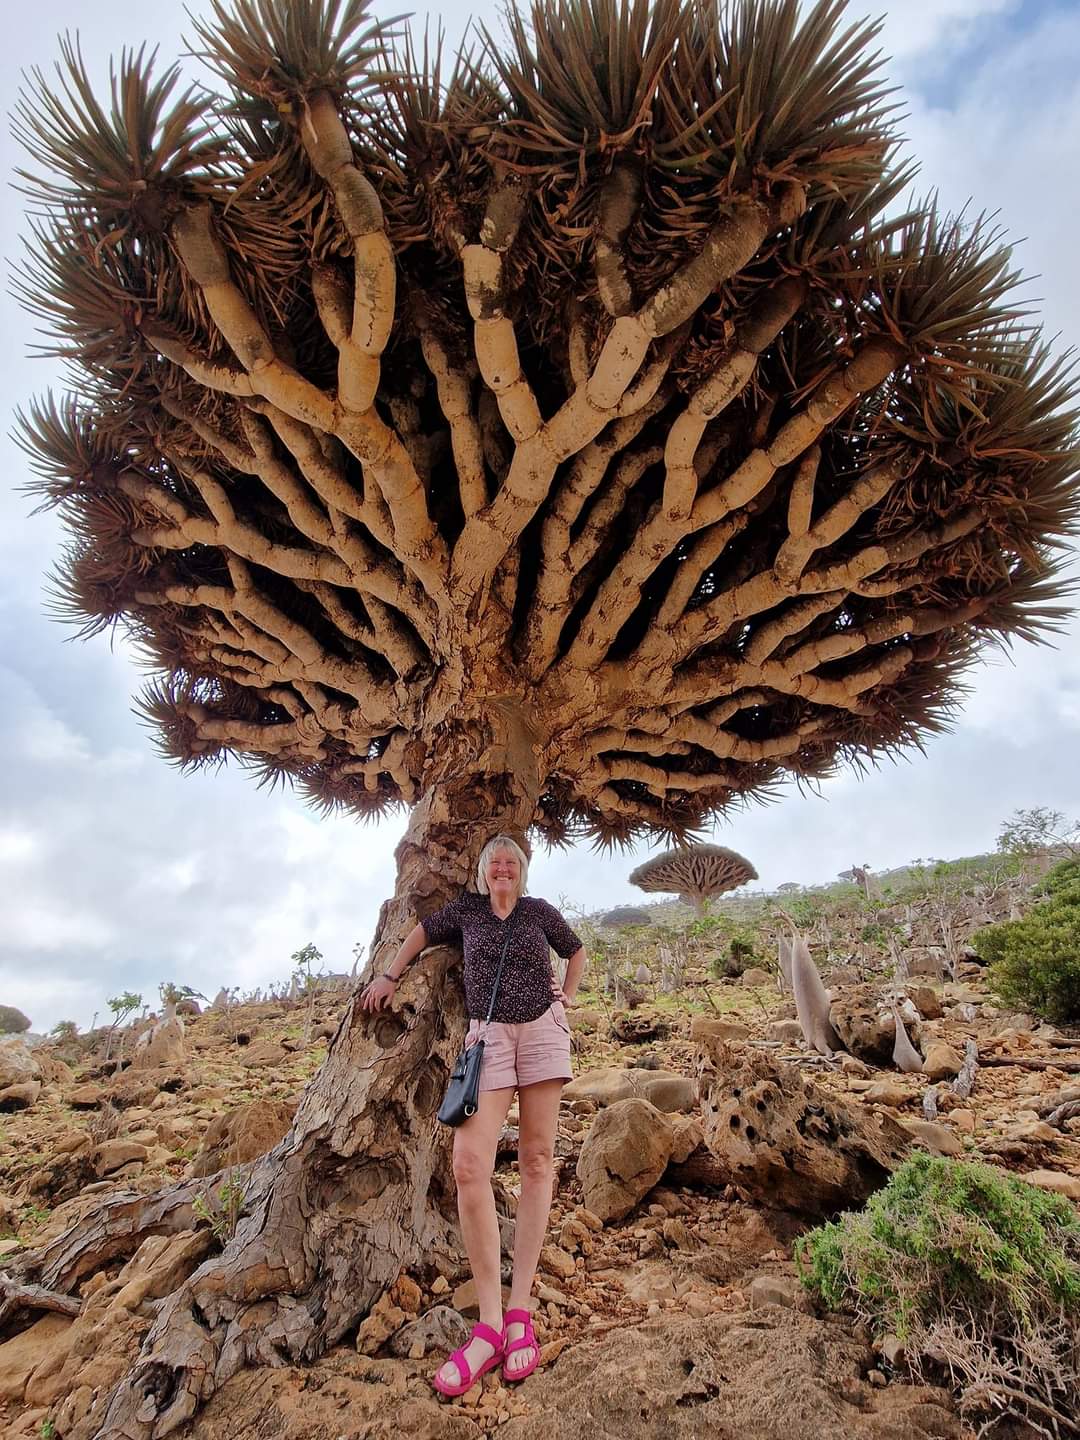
(938, 1139)
(665, 1089)
(20, 1097)
(787, 1143)
(926, 1000)
(112, 1155)
(17, 1064)
(623, 1156)
(160, 1046)
(941, 1062)
(865, 1022)
(887, 1092)
(686, 1136)
(707, 1027)
(86, 1097)
(242, 1134)
(441, 1330)
(755, 977)
(784, 1032)
(587, 1021)
(1056, 1180)
(782, 1290)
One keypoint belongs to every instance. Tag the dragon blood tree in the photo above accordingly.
(571, 441)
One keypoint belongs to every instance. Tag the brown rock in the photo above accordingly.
(783, 1290)
(1056, 1180)
(865, 1023)
(161, 1046)
(557, 1262)
(623, 1156)
(113, 1154)
(17, 1062)
(964, 1120)
(755, 977)
(941, 1062)
(665, 1089)
(407, 1295)
(926, 1000)
(787, 1032)
(938, 1139)
(20, 1356)
(887, 1092)
(242, 1134)
(788, 1143)
(686, 1136)
(704, 1027)
(20, 1097)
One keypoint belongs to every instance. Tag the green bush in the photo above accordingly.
(1035, 962)
(976, 1270)
(12, 1021)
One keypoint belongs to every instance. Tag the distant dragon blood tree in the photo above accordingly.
(575, 441)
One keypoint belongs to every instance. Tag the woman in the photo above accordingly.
(527, 1049)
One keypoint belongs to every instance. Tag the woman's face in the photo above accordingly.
(503, 873)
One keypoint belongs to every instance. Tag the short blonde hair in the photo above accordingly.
(501, 842)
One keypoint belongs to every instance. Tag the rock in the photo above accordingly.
(866, 1024)
(676, 1233)
(20, 1097)
(786, 1142)
(1032, 1131)
(110, 1155)
(652, 1283)
(407, 1295)
(86, 1097)
(636, 1029)
(665, 1089)
(17, 1063)
(382, 1320)
(755, 977)
(686, 1136)
(440, 1329)
(163, 1045)
(893, 1351)
(926, 1000)
(782, 1290)
(704, 1027)
(887, 1092)
(52, 1070)
(787, 1032)
(856, 1069)
(587, 1021)
(20, 1356)
(941, 1061)
(623, 1156)
(963, 1120)
(938, 1139)
(1056, 1180)
(555, 1261)
(242, 1134)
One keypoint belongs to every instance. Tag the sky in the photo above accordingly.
(117, 872)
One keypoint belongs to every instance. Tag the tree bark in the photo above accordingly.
(361, 1186)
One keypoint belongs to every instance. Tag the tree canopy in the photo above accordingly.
(595, 379)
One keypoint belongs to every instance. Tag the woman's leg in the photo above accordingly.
(474, 1161)
(538, 1112)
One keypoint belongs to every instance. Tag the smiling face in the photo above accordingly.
(503, 873)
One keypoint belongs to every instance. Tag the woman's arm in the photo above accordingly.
(575, 966)
(380, 992)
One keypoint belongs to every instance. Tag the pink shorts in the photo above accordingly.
(517, 1055)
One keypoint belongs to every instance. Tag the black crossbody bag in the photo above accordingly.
(463, 1091)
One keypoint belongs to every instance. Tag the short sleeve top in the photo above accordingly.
(527, 985)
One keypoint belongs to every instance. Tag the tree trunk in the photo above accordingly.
(361, 1187)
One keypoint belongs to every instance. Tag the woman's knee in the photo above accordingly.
(535, 1161)
(471, 1166)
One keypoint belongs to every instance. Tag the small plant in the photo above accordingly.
(1035, 962)
(64, 1031)
(221, 1208)
(47, 1429)
(976, 1270)
(172, 994)
(33, 1215)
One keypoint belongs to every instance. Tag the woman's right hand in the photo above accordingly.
(378, 994)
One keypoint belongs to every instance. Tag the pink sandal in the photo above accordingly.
(468, 1379)
(528, 1340)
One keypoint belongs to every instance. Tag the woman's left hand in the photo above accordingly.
(561, 996)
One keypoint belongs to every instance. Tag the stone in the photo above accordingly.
(1033, 1131)
(755, 977)
(163, 1045)
(21, 1096)
(17, 1063)
(963, 1120)
(788, 1143)
(111, 1155)
(382, 1320)
(686, 1136)
(664, 1089)
(21, 1355)
(242, 1134)
(586, 1021)
(652, 1283)
(887, 1092)
(786, 1032)
(1056, 1180)
(677, 1233)
(623, 1156)
(938, 1139)
(926, 1000)
(893, 1351)
(783, 1290)
(707, 1026)
(407, 1295)
(555, 1261)
(941, 1061)
(856, 1069)
(865, 1023)
(441, 1329)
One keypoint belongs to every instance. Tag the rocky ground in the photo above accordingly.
(667, 1304)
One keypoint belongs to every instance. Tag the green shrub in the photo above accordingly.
(1035, 962)
(976, 1270)
(12, 1021)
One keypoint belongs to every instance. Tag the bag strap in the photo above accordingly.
(498, 973)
